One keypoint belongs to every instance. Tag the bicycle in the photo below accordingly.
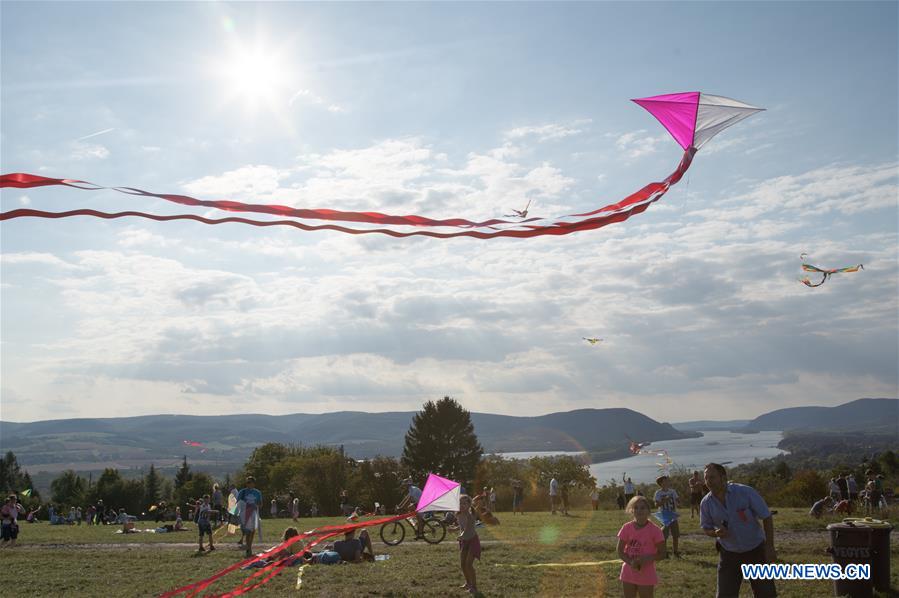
(433, 531)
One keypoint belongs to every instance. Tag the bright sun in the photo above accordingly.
(256, 76)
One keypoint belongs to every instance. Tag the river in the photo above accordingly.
(729, 448)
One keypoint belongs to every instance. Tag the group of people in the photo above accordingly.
(94, 514)
(844, 496)
(353, 549)
(735, 515)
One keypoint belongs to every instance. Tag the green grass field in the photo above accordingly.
(95, 561)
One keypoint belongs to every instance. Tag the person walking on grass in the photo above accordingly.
(249, 517)
(517, 497)
(730, 513)
(205, 514)
(553, 495)
(469, 544)
(640, 545)
(666, 501)
(218, 502)
(594, 498)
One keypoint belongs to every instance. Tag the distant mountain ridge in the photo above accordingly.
(135, 442)
(880, 415)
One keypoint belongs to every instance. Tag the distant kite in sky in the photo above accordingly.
(639, 448)
(825, 273)
(519, 213)
(692, 118)
(198, 445)
(636, 447)
(592, 340)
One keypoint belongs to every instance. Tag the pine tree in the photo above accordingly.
(68, 488)
(441, 440)
(182, 483)
(183, 476)
(10, 473)
(151, 486)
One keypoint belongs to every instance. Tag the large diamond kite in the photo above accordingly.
(694, 117)
(439, 494)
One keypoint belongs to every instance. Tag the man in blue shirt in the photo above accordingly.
(249, 519)
(352, 549)
(730, 513)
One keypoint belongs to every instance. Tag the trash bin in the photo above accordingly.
(861, 541)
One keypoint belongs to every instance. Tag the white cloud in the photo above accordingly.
(310, 98)
(847, 190)
(637, 143)
(247, 181)
(88, 151)
(548, 132)
(47, 259)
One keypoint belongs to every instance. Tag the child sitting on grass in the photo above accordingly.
(640, 545)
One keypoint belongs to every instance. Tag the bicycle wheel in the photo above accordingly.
(393, 533)
(433, 531)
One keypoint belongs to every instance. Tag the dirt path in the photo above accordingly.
(782, 536)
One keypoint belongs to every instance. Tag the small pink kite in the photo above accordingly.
(692, 119)
(198, 445)
(439, 494)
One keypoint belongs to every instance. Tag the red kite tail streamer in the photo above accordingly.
(271, 570)
(23, 180)
(635, 203)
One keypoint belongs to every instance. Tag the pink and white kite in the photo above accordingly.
(439, 494)
(692, 118)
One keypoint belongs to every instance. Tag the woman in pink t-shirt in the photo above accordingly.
(640, 545)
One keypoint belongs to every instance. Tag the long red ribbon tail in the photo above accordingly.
(617, 212)
(273, 569)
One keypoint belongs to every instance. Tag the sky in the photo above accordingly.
(447, 110)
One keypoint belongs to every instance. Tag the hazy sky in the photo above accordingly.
(450, 109)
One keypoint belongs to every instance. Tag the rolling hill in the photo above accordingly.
(872, 415)
(135, 442)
